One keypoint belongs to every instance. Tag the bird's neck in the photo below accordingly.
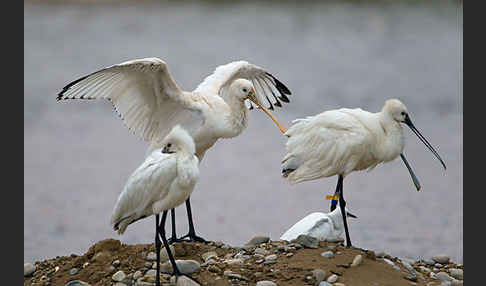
(187, 171)
(392, 140)
(236, 118)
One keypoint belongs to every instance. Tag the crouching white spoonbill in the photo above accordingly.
(338, 142)
(150, 103)
(324, 227)
(164, 180)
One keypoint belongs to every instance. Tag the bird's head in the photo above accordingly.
(243, 89)
(398, 111)
(178, 140)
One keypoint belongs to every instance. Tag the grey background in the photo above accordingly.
(78, 155)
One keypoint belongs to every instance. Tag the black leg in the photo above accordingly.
(342, 205)
(173, 238)
(177, 272)
(192, 232)
(157, 250)
(336, 193)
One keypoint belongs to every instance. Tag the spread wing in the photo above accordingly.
(267, 87)
(144, 94)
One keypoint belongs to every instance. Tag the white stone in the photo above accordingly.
(118, 276)
(357, 260)
(29, 268)
(333, 278)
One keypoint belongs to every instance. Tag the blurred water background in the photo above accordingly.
(78, 155)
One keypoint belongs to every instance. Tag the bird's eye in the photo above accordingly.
(403, 113)
(244, 89)
(168, 145)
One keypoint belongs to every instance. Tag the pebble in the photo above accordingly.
(408, 266)
(143, 283)
(118, 276)
(183, 281)
(438, 265)
(319, 275)
(339, 284)
(324, 283)
(327, 254)
(389, 261)
(410, 277)
(237, 276)
(164, 256)
(77, 283)
(424, 269)
(271, 257)
(137, 274)
(456, 282)
(443, 259)
(120, 284)
(357, 260)
(29, 268)
(214, 269)
(443, 276)
(257, 240)
(457, 273)
(116, 263)
(380, 254)
(307, 241)
(151, 256)
(333, 278)
(185, 266)
(261, 251)
(266, 283)
(208, 255)
(74, 271)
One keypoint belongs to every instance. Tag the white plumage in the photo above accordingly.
(323, 226)
(163, 181)
(338, 142)
(150, 103)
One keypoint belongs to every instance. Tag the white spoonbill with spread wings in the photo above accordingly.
(164, 180)
(150, 103)
(338, 142)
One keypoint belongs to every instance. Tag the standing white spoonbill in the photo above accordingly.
(150, 103)
(324, 227)
(338, 142)
(164, 180)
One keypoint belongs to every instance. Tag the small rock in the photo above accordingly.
(151, 256)
(307, 241)
(214, 269)
(29, 268)
(77, 283)
(74, 271)
(324, 283)
(424, 269)
(457, 273)
(120, 284)
(261, 251)
(380, 254)
(408, 266)
(183, 281)
(333, 278)
(443, 259)
(185, 266)
(429, 262)
(319, 275)
(389, 261)
(357, 260)
(338, 284)
(116, 263)
(456, 282)
(327, 254)
(271, 257)
(137, 274)
(257, 240)
(236, 276)
(442, 276)
(266, 283)
(118, 276)
(410, 277)
(164, 256)
(438, 265)
(208, 255)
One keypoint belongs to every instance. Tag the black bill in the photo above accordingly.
(412, 174)
(422, 138)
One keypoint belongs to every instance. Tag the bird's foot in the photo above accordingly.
(192, 237)
(173, 239)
